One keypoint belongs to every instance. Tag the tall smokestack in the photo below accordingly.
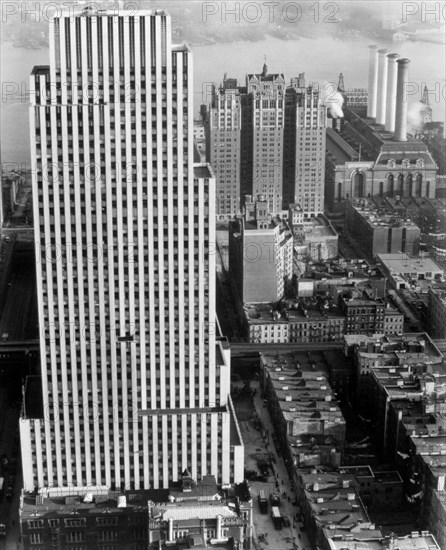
(392, 69)
(401, 100)
(381, 87)
(373, 81)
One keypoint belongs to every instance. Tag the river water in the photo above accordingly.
(321, 59)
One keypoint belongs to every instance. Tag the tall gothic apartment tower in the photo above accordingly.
(223, 123)
(304, 148)
(263, 110)
(244, 132)
(135, 379)
(267, 138)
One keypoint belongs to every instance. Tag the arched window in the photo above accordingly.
(390, 185)
(399, 184)
(409, 185)
(339, 191)
(358, 184)
(418, 185)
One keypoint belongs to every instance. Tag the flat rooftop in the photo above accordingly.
(314, 229)
(402, 264)
(387, 476)
(378, 215)
(358, 471)
(430, 445)
(333, 499)
(103, 8)
(264, 314)
(342, 269)
(415, 346)
(353, 541)
(274, 223)
(300, 384)
(416, 202)
(202, 510)
(99, 500)
(387, 340)
(34, 505)
(397, 150)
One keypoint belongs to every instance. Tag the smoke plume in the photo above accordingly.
(332, 99)
(416, 114)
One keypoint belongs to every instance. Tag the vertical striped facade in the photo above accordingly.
(263, 138)
(304, 151)
(223, 129)
(133, 389)
(267, 138)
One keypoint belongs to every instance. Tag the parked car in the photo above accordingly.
(286, 521)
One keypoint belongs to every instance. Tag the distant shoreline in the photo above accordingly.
(247, 35)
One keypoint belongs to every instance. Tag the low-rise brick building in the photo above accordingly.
(379, 489)
(378, 230)
(315, 239)
(386, 353)
(310, 427)
(330, 501)
(295, 321)
(405, 272)
(407, 407)
(369, 540)
(99, 519)
(436, 312)
(326, 317)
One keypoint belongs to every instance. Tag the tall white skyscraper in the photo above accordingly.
(135, 381)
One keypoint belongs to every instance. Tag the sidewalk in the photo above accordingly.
(259, 446)
(9, 510)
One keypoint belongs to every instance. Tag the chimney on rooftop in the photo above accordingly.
(373, 81)
(381, 86)
(401, 100)
(392, 70)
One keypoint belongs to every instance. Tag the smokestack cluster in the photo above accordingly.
(373, 81)
(401, 100)
(392, 68)
(381, 87)
(387, 101)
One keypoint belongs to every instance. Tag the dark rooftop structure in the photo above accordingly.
(32, 406)
(202, 171)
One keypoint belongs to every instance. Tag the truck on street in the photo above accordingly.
(276, 517)
(263, 502)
